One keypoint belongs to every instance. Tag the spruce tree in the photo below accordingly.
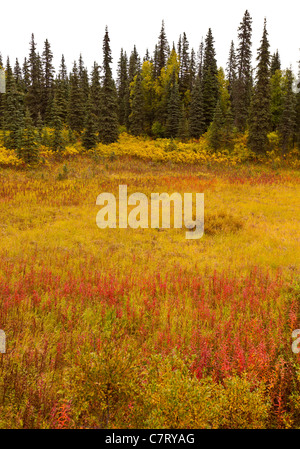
(275, 63)
(215, 130)
(183, 127)
(62, 91)
(56, 122)
(147, 56)
(260, 116)
(89, 138)
(76, 106)
(34, 96)
(95, 95)
(192, 70)
(231, 69)
(18, 76)
(162, 50)
(228, 129)
(39, 126)
(210, 88)
(13, 113)
(28, 150)
(48, 85)
(155, 62)
(173, 108)
(26, 75)
(184, 73)
(287, 123)
(122, 85)
(109, 104)
(134, 65)
(196, 118)
(83, 80)
(179, 49)
(200, 56)
(136, 118)
(242, 86)
(224, 96)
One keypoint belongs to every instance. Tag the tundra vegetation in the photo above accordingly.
(143, 328)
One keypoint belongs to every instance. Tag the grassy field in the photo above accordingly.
(124, 328)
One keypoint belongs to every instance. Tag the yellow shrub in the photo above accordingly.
(71, 150)
(8, 158)
(241, 405)
(174, 398)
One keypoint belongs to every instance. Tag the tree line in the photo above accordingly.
(173, 93)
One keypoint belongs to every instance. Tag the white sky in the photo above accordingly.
(74, 26)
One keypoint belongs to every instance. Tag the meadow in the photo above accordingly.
(142, 328)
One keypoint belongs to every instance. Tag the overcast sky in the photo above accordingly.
(73, 27)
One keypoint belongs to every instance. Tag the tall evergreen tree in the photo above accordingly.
(28, 150)
(39, 126)
(122, 86)
(56, 122)
(231, 69)
(18, 76)
(13, 114)
(95, 95)
(224, 96)
(89, 138)
(155, 62)
(287, 123)
(26, 75)
(83, 80)
(162, 49)
(147, 56)
(215, 130)
(200, 56)
(62, 91)
(34, 96)
(76, 106)
(260, 116)
(179, 49)
(183, 128)
(275, 63)
(174, 108)
(243, 84)
(210, 88)
(136, 118)
(48, 85)
(109, 101)
(196, 118)
(134, 64)
(184, 74)
(192, 69)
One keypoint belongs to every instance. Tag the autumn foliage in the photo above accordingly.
(123, 328)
